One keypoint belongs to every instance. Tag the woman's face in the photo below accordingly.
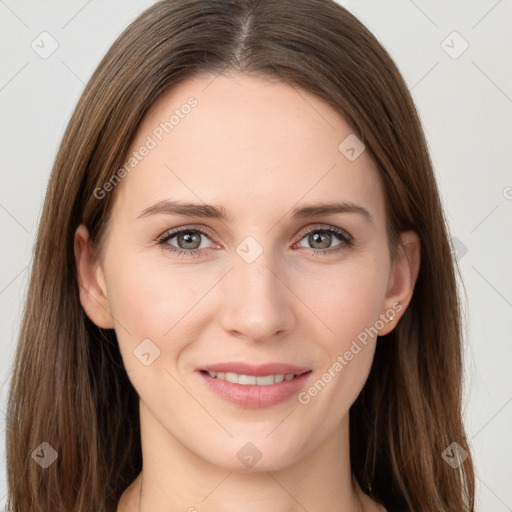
(251, 274)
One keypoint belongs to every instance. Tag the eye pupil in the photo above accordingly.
(323, 239)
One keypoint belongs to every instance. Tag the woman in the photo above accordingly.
(242, 290)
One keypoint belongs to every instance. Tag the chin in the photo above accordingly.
(245, 456)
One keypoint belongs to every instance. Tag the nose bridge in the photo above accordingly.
(253, 261)
(257, 302)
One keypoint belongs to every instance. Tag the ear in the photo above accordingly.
(402, 280)
(91, 283)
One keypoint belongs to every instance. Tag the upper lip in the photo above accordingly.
(257, 370)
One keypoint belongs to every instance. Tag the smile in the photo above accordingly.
(261, 380)
(272, 384)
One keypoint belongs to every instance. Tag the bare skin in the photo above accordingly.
(259, 149)
(130, 500)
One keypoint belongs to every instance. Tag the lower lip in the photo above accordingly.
(253, 396)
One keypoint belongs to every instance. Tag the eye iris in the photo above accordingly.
(192, 239)
(189, 240)
(323, 239)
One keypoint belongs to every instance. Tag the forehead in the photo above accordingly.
(257, 146)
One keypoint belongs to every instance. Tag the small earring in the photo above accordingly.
(392, 317)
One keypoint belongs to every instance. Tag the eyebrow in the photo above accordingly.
(318, 209)
(186, 209)
(219, 212)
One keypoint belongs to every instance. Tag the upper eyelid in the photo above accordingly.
(203, 230)
(171, 233)
(324, 227)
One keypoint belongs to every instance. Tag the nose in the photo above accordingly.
(257, 303)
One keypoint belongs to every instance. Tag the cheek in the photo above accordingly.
(349, 306)
(150, 305)
(136, 301)
(148, 296)
(346, 299)
(151, 300)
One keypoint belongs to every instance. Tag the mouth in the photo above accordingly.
(253, 380)
(254, 387)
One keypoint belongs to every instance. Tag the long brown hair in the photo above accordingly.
(69, 387)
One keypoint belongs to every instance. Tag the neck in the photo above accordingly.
(175, 478)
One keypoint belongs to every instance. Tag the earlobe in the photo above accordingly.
(402, 279)
(91, 282)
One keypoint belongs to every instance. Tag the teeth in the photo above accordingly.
(246, 380)
(265, 381)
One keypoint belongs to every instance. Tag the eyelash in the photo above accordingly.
(345, 240)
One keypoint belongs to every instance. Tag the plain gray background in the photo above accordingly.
(464, 96)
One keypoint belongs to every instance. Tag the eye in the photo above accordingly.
(326, 240)
(189, 241)
(186, 241)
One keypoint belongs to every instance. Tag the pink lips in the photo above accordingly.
(255, 396)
